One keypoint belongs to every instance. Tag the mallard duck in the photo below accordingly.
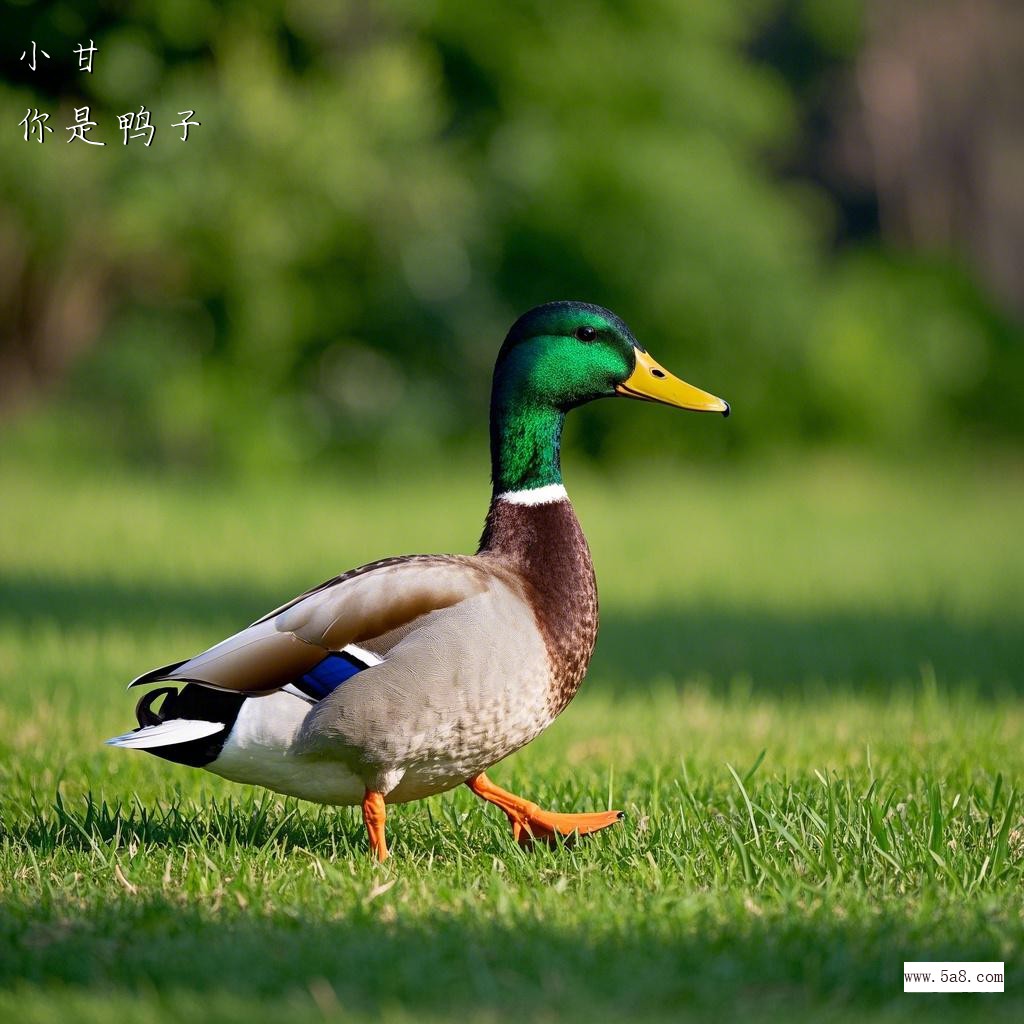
(412, 675)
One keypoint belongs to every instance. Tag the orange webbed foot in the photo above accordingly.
(530, 823)
(547, 826)
(374, 816)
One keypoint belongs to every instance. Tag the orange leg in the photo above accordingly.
(530, 822)
(375, 815)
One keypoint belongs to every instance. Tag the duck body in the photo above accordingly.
(422, 709)
(408, 676)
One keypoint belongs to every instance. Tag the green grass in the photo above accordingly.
(806, 695)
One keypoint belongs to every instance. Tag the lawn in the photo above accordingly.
(807, 695)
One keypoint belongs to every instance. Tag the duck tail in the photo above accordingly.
(156, 731)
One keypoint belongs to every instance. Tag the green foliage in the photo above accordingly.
(378, 189)
(820, 754)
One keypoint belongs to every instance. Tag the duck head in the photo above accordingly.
(563, 354)
(558, 356)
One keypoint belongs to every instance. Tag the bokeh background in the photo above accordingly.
(813, 207)
(232, 367)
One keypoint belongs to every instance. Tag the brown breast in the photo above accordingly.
(545, 547)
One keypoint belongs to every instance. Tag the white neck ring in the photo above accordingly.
(536, 495)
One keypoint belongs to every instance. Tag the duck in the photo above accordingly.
(411, 675)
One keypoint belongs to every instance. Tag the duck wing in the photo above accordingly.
(351, 609)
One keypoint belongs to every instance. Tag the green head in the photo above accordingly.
(558, 356)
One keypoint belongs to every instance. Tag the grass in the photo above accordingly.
(806, 695)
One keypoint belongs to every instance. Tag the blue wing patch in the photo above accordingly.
(326, 676)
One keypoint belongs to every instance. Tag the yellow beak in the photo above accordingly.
(653, 383)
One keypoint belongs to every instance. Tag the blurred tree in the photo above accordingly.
(329, 263)
(938, 131)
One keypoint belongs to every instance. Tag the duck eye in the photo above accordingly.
(586, 333)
